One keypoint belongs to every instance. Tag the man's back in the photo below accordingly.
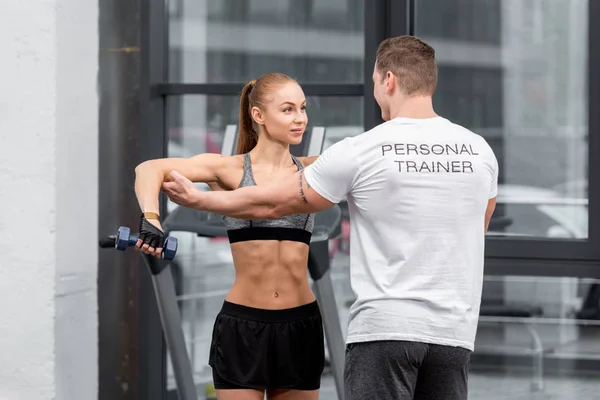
(417, 206)
(421, 192)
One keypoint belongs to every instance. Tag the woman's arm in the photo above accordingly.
(150, 175)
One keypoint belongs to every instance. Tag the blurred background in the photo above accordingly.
(103, 85)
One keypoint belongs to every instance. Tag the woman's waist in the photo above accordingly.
(260, 278)
(265, 313)
(270, 295)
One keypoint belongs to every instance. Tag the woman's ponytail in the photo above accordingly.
(248, 137)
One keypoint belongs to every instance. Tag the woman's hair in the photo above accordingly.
(255, 94)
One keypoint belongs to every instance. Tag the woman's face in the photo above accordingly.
(284, 115)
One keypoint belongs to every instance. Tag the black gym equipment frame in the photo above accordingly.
(127, 316)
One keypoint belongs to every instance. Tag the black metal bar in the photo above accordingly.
(540, 249)
(549, 268)
(376, 21)
(153, 362)
(594, 126)
(401, 21)
(161, 60)
(234, 89)
(119, 288)
(411, 17)
(166, 298)
(164, 119)
(383, 19)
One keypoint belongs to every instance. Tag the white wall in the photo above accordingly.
(48, 198)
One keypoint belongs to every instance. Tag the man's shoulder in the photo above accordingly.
(471, 135)
(464, 130)
(364, 137)
(382, 127)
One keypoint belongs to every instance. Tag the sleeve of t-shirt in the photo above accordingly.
(334, 172)
(494, 180)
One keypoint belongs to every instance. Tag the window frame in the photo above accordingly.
(383, 18)
(577, 257)
(572, 257)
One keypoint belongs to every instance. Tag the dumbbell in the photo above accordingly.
(124, 239)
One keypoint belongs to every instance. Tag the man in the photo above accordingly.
(421, 191)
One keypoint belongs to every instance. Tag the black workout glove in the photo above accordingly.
(150, 234)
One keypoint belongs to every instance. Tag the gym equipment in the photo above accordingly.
(170, 318)
(123, 239)
(205, 224)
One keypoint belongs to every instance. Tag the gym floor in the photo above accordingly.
(496, 387)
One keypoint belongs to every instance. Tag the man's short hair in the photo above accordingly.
(412, 61)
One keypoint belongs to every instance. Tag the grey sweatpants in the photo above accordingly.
(399, 370)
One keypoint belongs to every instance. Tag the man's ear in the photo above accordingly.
(391, 82)
(257, 116)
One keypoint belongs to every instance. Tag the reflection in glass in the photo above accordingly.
(515, 72)
(237, 40)
(542, 334)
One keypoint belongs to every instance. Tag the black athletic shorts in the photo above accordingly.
(260, 349)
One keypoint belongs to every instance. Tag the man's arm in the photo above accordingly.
(493, 191)
(331, 177)
(289, 196)
(489, 212)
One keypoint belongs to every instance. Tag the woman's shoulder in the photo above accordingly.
(306, 161)
(235, 161)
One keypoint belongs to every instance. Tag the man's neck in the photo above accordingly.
(418, 107)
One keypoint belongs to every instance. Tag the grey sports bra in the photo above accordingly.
(295, 227)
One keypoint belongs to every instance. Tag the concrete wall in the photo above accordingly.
(48, 193)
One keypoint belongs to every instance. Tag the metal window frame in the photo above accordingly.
(383, 18)
(152, 366)
(234, 89)
(559, 257)
(540, 256)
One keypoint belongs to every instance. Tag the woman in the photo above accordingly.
(268, 335)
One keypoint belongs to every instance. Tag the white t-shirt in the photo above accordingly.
(417, 191)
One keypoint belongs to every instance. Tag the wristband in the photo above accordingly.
(151, 215)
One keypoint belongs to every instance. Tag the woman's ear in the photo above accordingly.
(257, 116)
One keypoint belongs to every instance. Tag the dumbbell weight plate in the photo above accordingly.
(170, 248)
(122, 241)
